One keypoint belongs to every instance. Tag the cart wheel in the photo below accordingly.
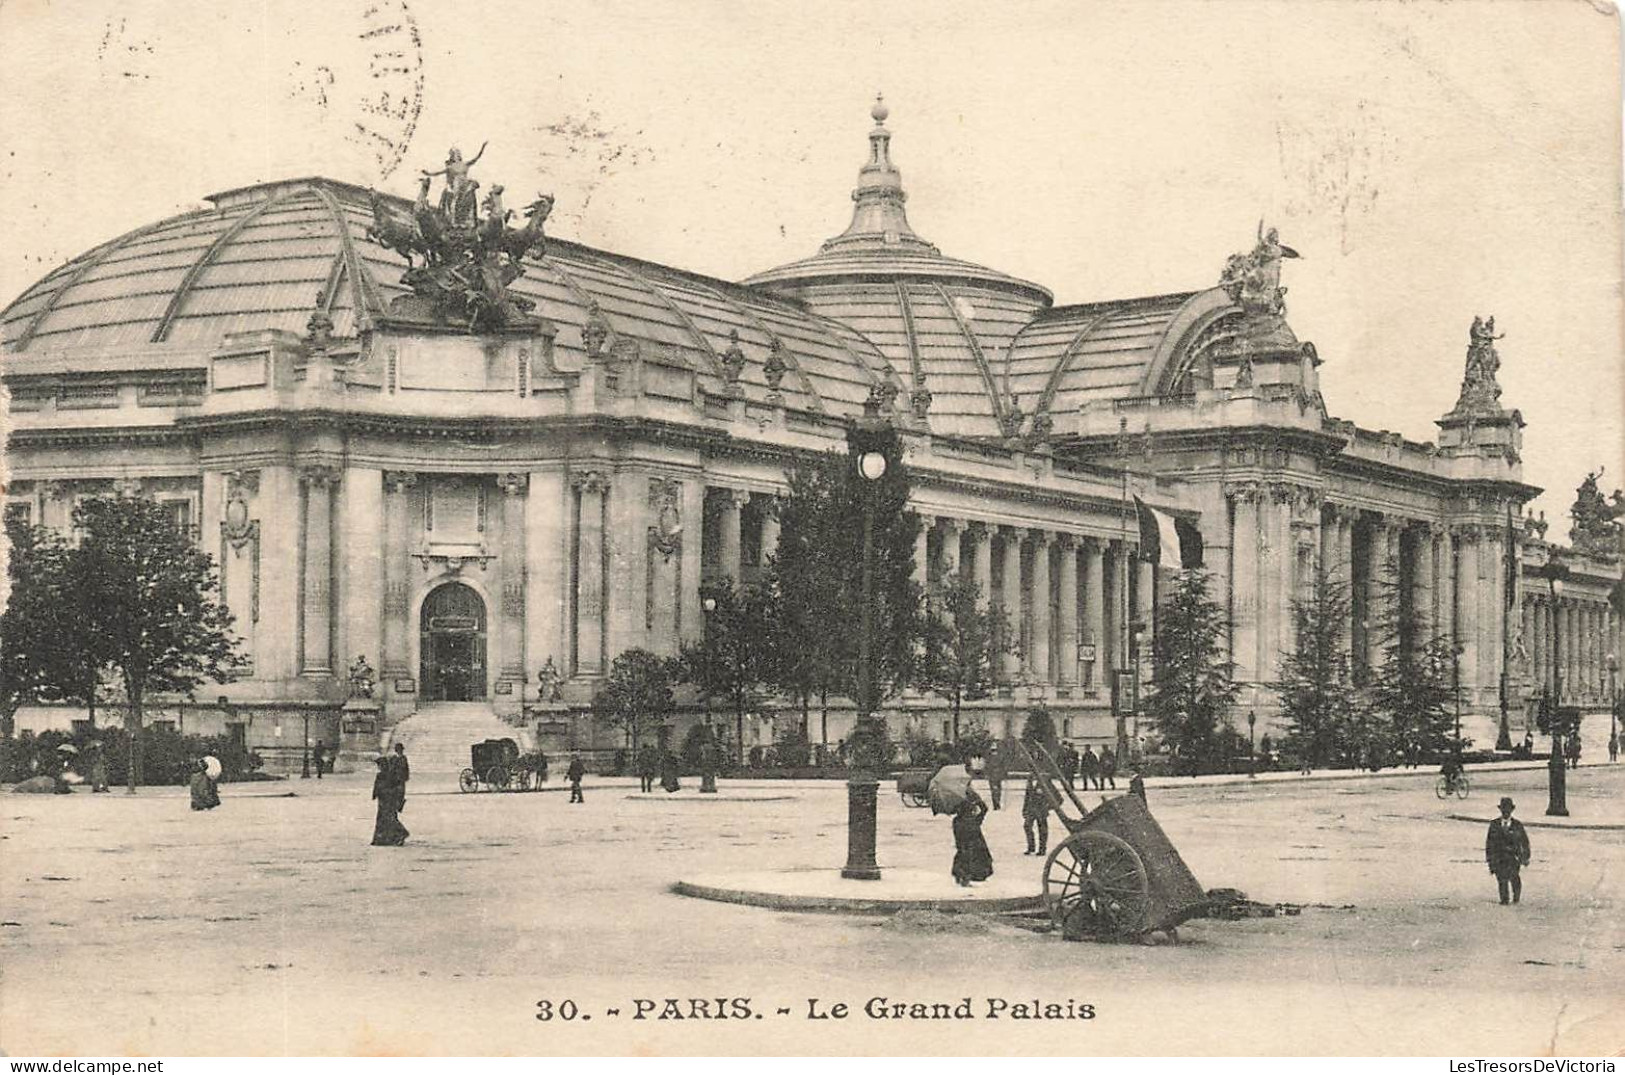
(1442, 788)
(1095, 886)
(918, 798)
(468, 781)
(498, 778)
(1461, 786)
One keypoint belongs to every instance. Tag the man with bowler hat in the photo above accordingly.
(1506, 850)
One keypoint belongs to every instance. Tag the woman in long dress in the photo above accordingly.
(388, 831)
(205, 796)
(668, 772)
(972, 860)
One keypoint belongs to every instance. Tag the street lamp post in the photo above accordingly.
(710, 751)
(1252, 748)
(1613, 698)
(304, 769)
(1556, 778)
(1455, 689)
(862, 785)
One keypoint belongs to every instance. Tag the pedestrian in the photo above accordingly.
(1069, 764)
(574, 775)
(390, 795)
(98, 767)
(1264, 749)
(1090, 764)
(205, 795)
(318, 754)
(1108, 766)
(1613, 746)
(1506, 850)
(1573, 750)
(668, 772)
(648, 766)
(402, 770)
(993, 767)
(1035, 808)
(1136, 786)
(972, 859)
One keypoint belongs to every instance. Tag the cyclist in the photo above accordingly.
(1453, 770)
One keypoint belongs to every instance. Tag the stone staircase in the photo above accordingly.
(438, 735)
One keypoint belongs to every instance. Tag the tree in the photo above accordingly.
(737, 657)
(44, 650)
(1193, 685)
(1316, 681)
(637, 693)
(1039, 727)
(1412, 690)
(150, 597)
(818, 578)
(963, 640)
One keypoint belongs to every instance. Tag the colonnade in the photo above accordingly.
(1568, 644)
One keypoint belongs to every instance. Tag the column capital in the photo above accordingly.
(590, 481)
(949, 525)
(513, 483)
(1041, 538)
(1244, 492)
(319, 475)
(130, 487)
(738, 497)
(1067, 540)
(975, 532)
(1468, 532)
(399, 481)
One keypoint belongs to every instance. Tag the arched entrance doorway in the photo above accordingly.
(452, 655)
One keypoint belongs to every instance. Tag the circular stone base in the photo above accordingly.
(686, 795)
(897, 890)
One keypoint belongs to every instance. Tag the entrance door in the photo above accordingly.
(452, 651)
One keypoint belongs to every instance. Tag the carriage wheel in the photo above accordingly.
(1461, 786)
(1441, 787)
(498, 778)
(467, 781)
(1095, 886)
(918, 798)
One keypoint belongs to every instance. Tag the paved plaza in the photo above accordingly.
(137, 926)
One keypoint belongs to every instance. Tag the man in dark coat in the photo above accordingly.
(1035, 808)
(574, 775)
(1108, 767)
(1506, 850)
(648, 767)
(318, 755)
(1090, 765)
(1069, 764)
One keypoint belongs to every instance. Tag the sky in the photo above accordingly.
(1430, 161)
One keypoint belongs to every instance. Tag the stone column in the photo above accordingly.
(730, 502)
(1010, 594)
(948, 555)
(1042, 640)
(1468, 603)
(511, 555)
(627, 563)
(770, 532)
(1067, 657)
(980, 536)
(1492, 611)
(1376, 548)
(1537, 641)
(316, 634)
(396, 661)
(922, 553)
(1327, 568)
(1422, 575)
(1094, 608)
(549, 578)
(592, 489)
(690, 561)
(1444, 581)
(1244, 582)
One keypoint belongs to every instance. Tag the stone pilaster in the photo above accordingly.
(317, 484)
(396, 660)
(663, 597)
(1066, 671)
(690, 563)
(627, 563)
(511, 557)
(549, 578)
(1042, 639)
(592, 489)
(360, 568)
(1244, 542)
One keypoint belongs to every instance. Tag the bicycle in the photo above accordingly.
(1448, 785)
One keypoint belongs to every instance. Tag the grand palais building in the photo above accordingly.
(539, 483)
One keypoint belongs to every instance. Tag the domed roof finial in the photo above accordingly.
(880, 111)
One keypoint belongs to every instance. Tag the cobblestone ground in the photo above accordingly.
(269, 925)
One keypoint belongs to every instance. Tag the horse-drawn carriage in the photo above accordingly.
(1116, 875)
(498, 765)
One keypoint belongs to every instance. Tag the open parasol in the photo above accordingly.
(67, 748)
(211, 765)
(948, 789)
